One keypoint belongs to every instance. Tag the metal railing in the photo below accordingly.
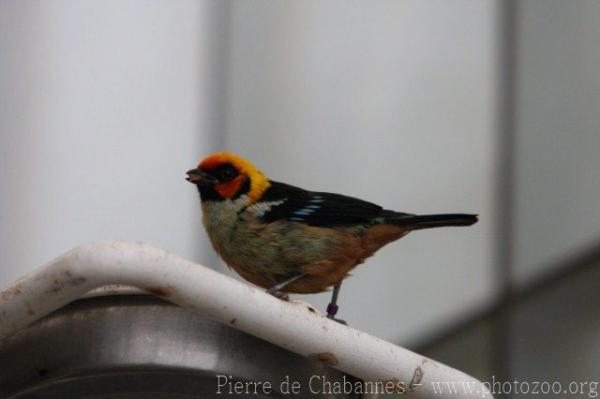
(295, 326)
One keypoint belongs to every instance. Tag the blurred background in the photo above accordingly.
(489, 107)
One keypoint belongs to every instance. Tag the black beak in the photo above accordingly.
(197, 176)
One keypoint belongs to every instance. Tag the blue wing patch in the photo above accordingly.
(317, 208)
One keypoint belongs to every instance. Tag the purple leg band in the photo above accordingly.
(332, 310)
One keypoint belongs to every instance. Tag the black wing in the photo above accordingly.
(317, 208)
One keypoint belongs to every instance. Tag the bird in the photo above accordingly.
(287, 239)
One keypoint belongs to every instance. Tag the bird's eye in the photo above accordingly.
(227, 173)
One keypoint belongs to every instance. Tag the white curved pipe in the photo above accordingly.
(292, 325)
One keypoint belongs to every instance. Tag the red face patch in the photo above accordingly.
(230, 189)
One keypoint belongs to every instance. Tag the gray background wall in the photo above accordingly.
(558, 134)
(104, 105)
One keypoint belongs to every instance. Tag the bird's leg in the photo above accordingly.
(277, 289)
(332, 308)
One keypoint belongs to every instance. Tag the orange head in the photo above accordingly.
(227, 176)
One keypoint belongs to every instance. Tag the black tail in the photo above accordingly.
(418, 222)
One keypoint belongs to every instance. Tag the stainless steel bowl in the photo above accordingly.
(138, 346)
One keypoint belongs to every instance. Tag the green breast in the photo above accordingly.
(277, 249)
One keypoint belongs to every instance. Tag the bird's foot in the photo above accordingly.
(279, 294)
(277, 289)
(338, 320)
(332, 310)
